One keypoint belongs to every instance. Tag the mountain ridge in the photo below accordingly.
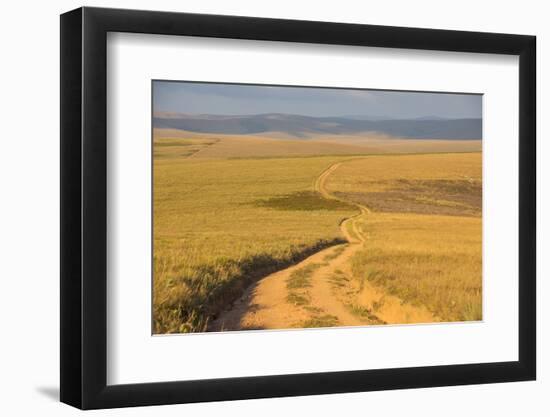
(300, 126)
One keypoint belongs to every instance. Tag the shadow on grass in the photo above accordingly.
(213, 289)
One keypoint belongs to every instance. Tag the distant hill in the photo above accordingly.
(305, 126)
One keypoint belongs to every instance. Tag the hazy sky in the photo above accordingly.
(238, 99)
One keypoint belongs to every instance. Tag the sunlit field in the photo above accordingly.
(423, 229)
(230, 210)
(220, 224)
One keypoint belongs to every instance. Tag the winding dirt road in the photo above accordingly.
(320, 291)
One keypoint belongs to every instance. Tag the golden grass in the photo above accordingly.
(273, 145)
(177, 148)
(388, 145)
(420, 255)
(366, 173)
(215, 230)
(230, 209)
(425, 259)
(246, 147)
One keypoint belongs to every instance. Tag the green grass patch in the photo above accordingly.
(303, 201)
(312, 309)
(338, 280)
(300, 278)
(297, 299)
(297, 284)
(364, 313)
(326, 320)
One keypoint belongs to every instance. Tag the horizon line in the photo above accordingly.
(155, 113)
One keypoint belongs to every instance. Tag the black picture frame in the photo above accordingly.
(84, 207)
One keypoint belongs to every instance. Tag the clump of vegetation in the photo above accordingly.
(298, 299)
(303, 201)
(365, 313)
(297, 284)
(335, 253)
(326, 320)
(300, 278)
(338, 279)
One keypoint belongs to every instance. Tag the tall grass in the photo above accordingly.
(424, 231)
(425, 260)
(187, 293)
(219, 225)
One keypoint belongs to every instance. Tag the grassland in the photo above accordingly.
(272, 145)
(220, 224)
(230, 210)
(424, 228)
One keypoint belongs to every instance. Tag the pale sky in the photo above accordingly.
(242, 99)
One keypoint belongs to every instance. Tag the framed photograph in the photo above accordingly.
(256, 208)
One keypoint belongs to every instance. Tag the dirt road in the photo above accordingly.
(320, 291)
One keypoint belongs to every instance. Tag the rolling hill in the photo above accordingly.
(306, 126)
